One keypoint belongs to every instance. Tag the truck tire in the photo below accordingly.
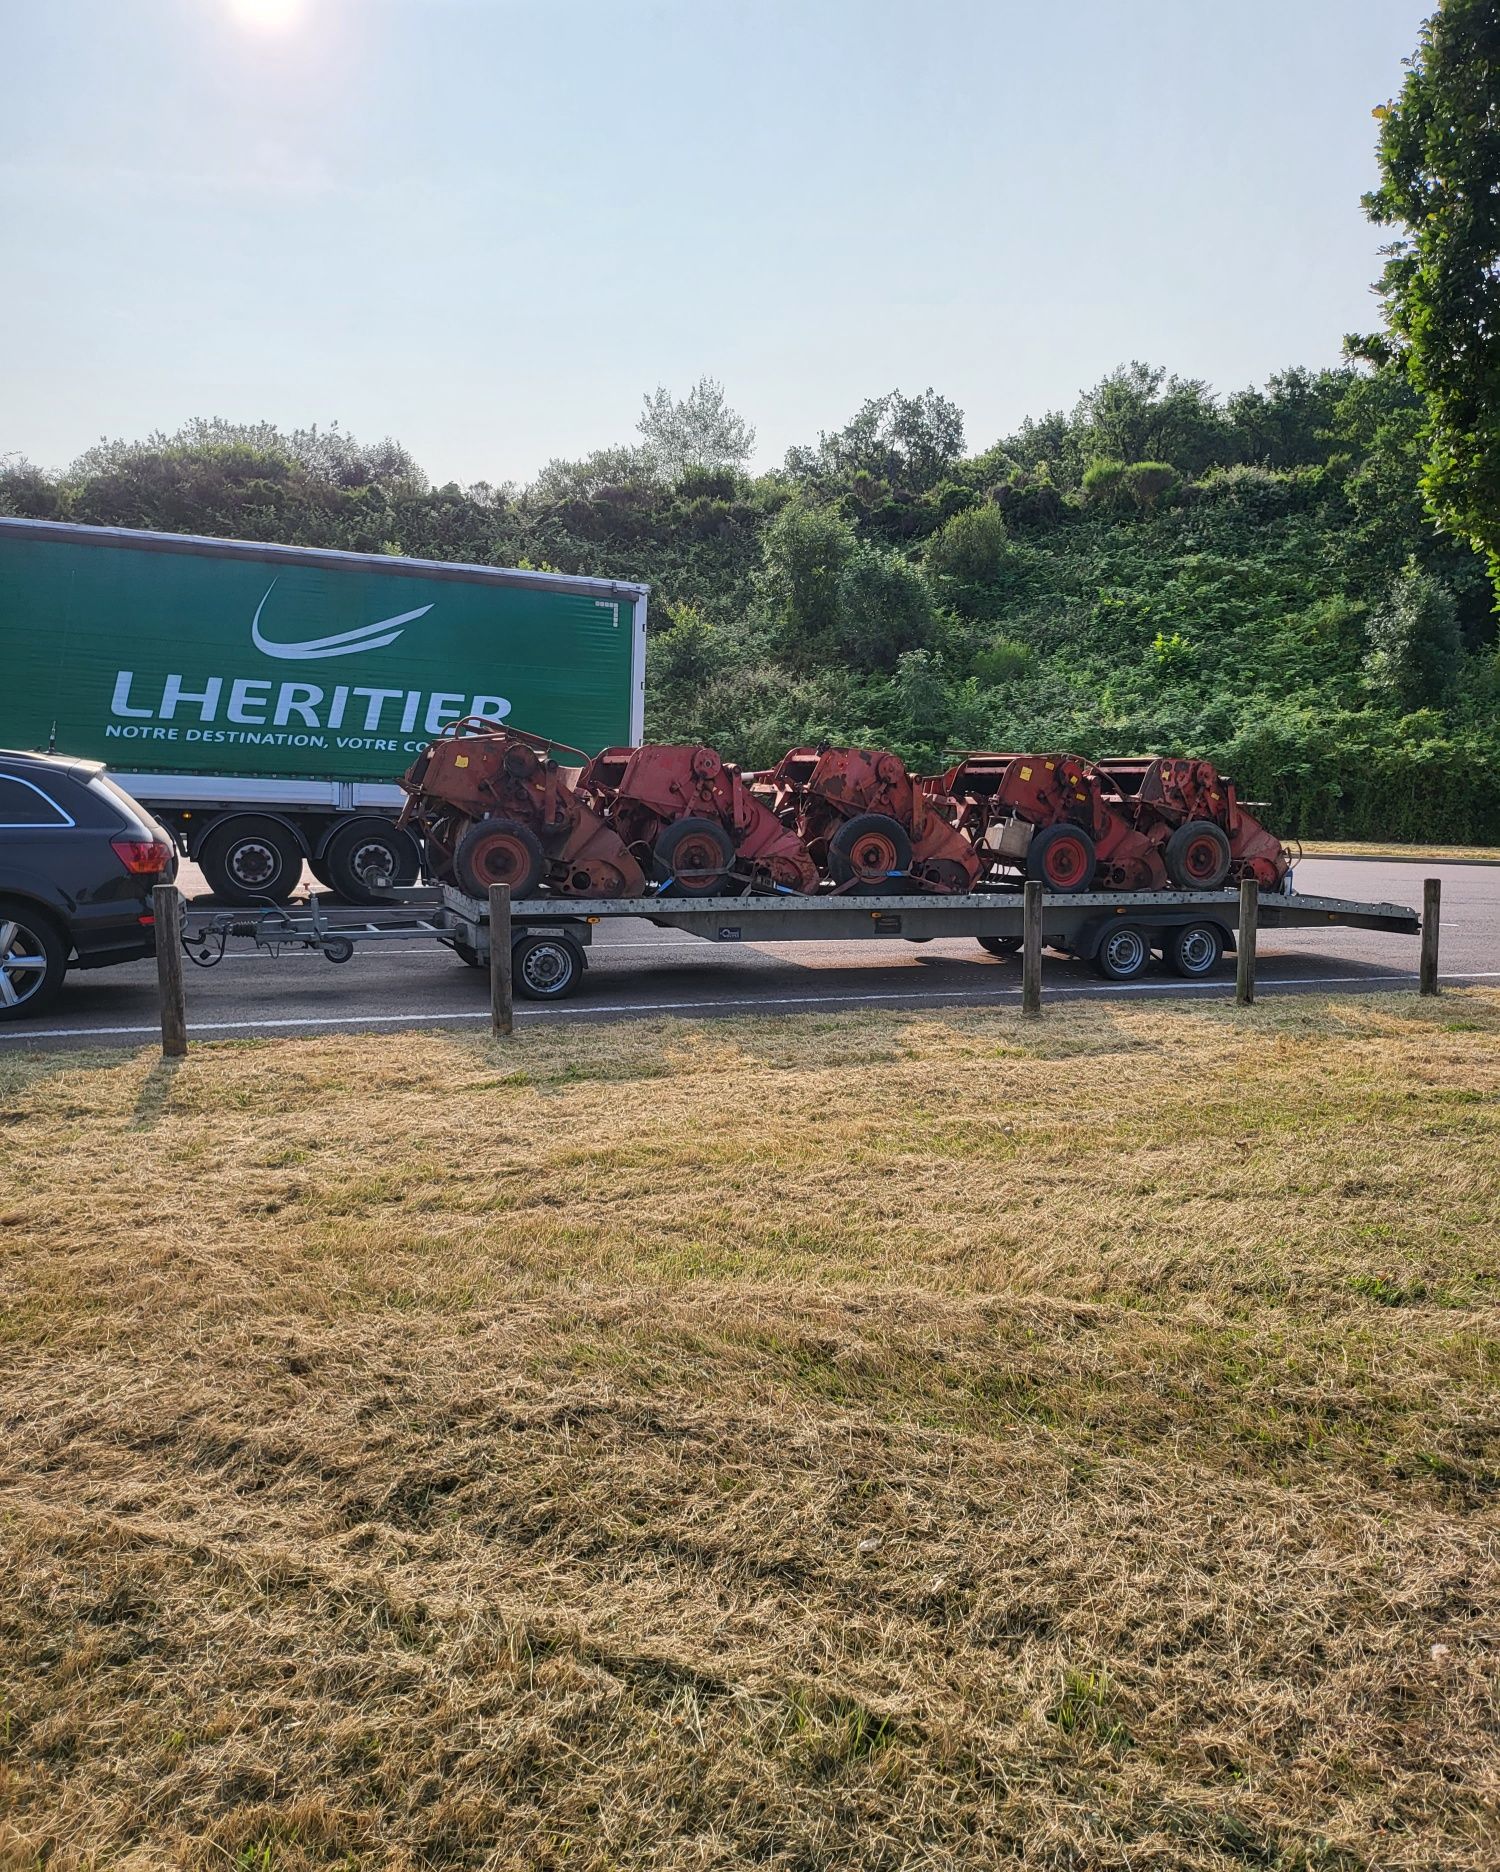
(866, 850)
(1123, 952)
(369, 848)
(251, 861)
(498, 851)
(1061, 858)
(545, 966)
(1194, 950)
(1197, 856)
(696, 855)
(33, 960)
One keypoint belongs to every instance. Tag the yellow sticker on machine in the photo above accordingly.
(460, 760)
(1025, 773)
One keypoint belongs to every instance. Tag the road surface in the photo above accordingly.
(639, 972)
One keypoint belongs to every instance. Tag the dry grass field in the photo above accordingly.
(877, 1441)
(1378, 848)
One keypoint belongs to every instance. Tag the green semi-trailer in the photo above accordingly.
(261, 700)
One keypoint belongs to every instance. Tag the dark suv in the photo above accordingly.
(78, 859)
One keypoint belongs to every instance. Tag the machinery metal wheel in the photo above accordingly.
(248, 861)
(696, 855)
(867, 849)
(1197, 855)
(33, 961)
(1194, 950)
(1123, 954)
(499, 851)
(1061, 857)
(545, 967)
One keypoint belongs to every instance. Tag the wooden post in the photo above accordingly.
(1244, 969)
(501, 1016)
(166, 911)
(1031, 947)
(1432, 904)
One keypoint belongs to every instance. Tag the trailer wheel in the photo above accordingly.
(1197, 856)
(867, 849)
(1123, 953)
(544, 966)
(371, 849)
(499, 851)
(1195, 949)
(696, 855)
(248, 861)
(1000, 945)
(1061, 857)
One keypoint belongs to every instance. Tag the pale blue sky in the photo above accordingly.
(488, 227)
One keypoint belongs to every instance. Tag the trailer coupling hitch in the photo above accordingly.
(272, 929)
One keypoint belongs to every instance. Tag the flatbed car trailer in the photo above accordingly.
(550, 937)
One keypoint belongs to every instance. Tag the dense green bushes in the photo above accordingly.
(1250, 578)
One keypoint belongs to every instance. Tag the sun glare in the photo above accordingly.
(267, 15)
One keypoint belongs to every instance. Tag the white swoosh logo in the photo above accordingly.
(344, 643)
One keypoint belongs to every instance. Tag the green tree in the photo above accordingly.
(806, 550)
(699, 430)
(1414, 643)
(907, 442)
(1440, 185)
(884, 610)
(970, 546)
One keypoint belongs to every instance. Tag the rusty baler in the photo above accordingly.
(494, 806)
(689, 817)
(1050, 816)
(866, 821)
(1193, 813)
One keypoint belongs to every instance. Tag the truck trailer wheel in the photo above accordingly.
(248, 861)
(499, 851)
(545, 966)
(1061, 857)
(1194, 950)
(1123, 953)
(1000, 945)
(365, 861)
(1197, 856)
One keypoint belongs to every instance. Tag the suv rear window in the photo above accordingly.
(23, 803)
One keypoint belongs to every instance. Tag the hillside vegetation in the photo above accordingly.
(1250, 577)
(911, 1441)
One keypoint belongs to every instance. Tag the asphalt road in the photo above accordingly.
(637, 972)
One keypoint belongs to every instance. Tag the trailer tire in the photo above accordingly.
(499, 851)
(545, 966)
(706, 852)
(370, 846)
(866, 850)
(1197, 856)
(1123, 953)
(1061, 858)
(1194, 950)
(251, 861)
(1000, 945)
(33, 960)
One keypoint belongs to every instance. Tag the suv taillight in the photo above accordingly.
(143, 857)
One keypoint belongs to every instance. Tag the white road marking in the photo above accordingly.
(748, 1005)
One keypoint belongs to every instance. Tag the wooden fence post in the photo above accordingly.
(1432, 905)
(501, 1013)
(1031, 947)
(166, 911)
(1244, 960)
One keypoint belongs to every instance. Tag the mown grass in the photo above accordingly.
(873, 1440)
(1393, 848)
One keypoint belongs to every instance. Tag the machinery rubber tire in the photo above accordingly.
(1000, 945)
(498, 851)
(545, 966)
(1194, 950)
(251, 861)
(1197, 855)
(369, 845)
(866, 850)
(1123, 953)
(33, 960)
(1061, 858)
(689, 842)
